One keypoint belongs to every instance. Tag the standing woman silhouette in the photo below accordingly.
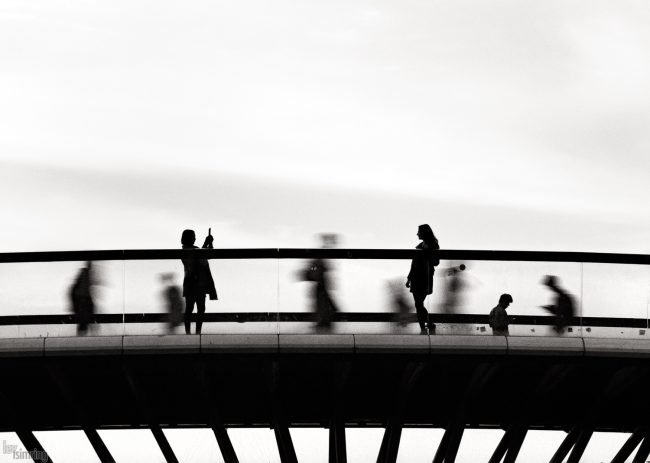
(420, 278)
(197, 282)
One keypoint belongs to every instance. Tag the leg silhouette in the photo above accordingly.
(189, 307)
(200, 310)
(423, 315)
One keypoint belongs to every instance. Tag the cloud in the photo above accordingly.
(90, 208)
(514, 106)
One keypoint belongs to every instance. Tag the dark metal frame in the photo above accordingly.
(368, 317)
(69, 394)
(308, 253)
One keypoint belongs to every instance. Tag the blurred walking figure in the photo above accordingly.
(420, 278)
(81, 298)
(454, 286)
(197, 282)
(499, 316)
(172, 296)
(318, 272)
(563, 307)
(398, 301)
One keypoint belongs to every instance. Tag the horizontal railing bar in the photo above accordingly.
(365, 317)
(307, 253)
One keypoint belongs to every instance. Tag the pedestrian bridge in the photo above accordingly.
(271, 368)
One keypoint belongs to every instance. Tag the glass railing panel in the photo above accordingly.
(246, 290)
(616, 291)
(255, 293)
(44, 288)
(375, 288)
(477, 289)
(367, 288)
(294, 296)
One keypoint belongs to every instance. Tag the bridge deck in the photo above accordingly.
(128, 381)
(322, 343)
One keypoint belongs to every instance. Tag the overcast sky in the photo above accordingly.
(504, 124)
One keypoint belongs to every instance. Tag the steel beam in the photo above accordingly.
(644, 450)
(143, 403)
(630, 444)
(21, 429)
(280, 426)
(439, 457)
(505, 444)
(33, 446)
(566, 446)
(225, 444)
(390, 442)
(448, 448)
(502, 446)
(580, 445)
(216, 421)
(337, 441)
(515, 445)
(71, 397)
(285, 444)
(393, 433)
(453, 444)
(163, 443)
(579, 437)
(98, 445)
(337, 445)
(512, 440)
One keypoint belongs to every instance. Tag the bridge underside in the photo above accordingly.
(303, 388)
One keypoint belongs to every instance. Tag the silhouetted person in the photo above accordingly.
(318, 272)
(454, 285)
(81, 298)
(420, 278)
(563, 307)
(172, 296)
(499, 316)
(197, 282)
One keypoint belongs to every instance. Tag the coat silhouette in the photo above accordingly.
(323, 303)
(81, 298)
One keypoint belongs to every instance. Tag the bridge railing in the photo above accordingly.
(264, 291)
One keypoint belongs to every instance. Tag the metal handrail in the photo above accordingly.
(311, 253)
(274, 317)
